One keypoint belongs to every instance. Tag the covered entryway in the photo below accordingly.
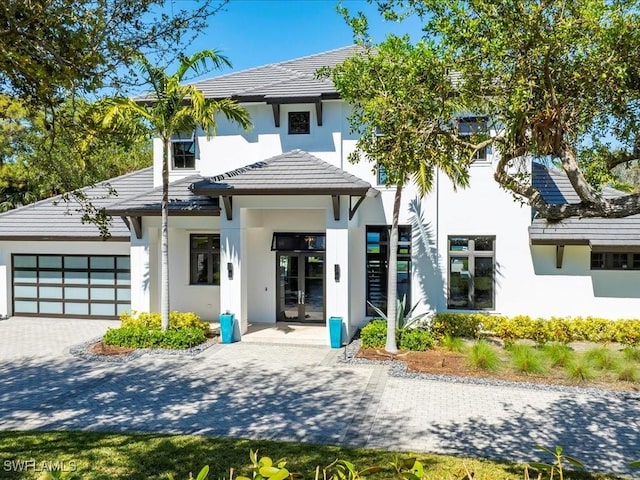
(87, 286)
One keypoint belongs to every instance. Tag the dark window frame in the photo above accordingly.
(212, 253)
(381, 175)
(183, 152)
(471, 254)
(479, 123)
(617, 261)
(377, 266)
(299, 123)
(298, 242)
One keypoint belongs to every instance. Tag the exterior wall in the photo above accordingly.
(7, 248)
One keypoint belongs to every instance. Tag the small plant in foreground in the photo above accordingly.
(629, 372)
(526, 359)
(558, 354)
(484, 356)
(453, 344)
(579, 370)
(631, 353)
(416, 340)
(560, 459)
(602, 358)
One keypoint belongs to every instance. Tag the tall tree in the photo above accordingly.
(172, 109)
(561, 80)
(403, 103)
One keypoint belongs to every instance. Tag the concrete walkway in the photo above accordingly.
(301, 393)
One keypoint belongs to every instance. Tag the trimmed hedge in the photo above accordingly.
(142, 337)
(555, 329)
(153, 321)
(374, 335)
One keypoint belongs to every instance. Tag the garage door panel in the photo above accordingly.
(77, 285)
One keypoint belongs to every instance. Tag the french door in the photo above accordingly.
(300, 287)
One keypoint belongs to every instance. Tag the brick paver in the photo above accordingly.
(298, 393)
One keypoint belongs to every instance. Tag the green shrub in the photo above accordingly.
(526, 359)
(602, 358)
(628, 372)
(416, 339)
(142, 337)
(453, 344)
(374, 334)
(484, 356)
(631, 354)
(152, 320)
(558, 354)
(627, 332)
(466, 325)
(579, 370)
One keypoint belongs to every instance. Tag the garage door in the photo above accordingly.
(97, 286)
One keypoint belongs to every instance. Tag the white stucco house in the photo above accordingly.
(275, 225)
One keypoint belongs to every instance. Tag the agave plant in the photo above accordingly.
(403, 320)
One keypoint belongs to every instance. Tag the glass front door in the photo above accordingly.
(300, 287)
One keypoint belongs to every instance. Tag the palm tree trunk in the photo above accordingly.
(392, 275)
(164, 237)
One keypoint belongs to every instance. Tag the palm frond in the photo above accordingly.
(199, 62)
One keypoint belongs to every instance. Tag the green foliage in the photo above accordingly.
(177, 321)
(141, 337)
(526, 359)
(374, 334)
(453, 344)
(560, 460)
(602, 358)
(628, 372)
(579, 370)
(466, 325)
(558, 354)
(404, 318)
(416, 339)
(631, 353)
(484, 356)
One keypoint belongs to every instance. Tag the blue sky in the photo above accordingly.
(256, 32)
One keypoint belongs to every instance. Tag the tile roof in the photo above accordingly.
(181, 201)
(290, 79)
(55, 219)
(292, 173)
(605, 232)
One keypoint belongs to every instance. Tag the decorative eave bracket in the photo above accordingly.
(335, 200)
(228, 206)
(319, 112)
(276, 114)
(559, 255)
(354, 208)
(136, 223)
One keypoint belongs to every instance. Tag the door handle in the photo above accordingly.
(302, 296)
(299, 291)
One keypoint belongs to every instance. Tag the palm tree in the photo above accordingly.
(174, 108)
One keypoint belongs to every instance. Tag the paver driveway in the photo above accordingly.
(298, 393)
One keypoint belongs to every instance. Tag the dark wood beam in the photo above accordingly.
(136, 222)
(335, 199)
(126, 222)
(319, 112)
(276, 114)
(559, 255)
(228, 206)
(352, 209)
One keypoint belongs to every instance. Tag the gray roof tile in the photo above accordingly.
(294, 173)
(55, 218)
(556, 189)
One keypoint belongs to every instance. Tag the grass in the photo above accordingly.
(628, 372)
(105, 456)
(558, 354)
(603, 358)
(580, 370)
(484, 356)
(453, 344)
(526, 359)
(631, 353)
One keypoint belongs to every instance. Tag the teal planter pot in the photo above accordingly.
(335, 332)
(227, 327)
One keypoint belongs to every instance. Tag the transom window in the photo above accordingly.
(615, 261)
(205, 259)
(378, 265)
(299, 123)
(183, 151)
(471, 272)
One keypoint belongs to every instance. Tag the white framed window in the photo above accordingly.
(183, 151)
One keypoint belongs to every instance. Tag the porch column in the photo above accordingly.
(140, 271)
(338, 290)
(233, 279)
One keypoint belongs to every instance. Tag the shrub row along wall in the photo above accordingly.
(509, 329)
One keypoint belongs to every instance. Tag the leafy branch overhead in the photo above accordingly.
(559, 79)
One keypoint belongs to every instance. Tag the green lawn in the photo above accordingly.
(152, 456)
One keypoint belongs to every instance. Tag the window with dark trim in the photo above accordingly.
(471, 272)
(377, 259)
(183, 151)
(205, 259)
(381, 175)
(299, 123)
(298, 242)
(615, 261)
(469, 126)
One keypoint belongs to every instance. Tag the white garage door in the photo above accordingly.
(96, 286)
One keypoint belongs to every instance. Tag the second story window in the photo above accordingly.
(183, 151)
(468, 126)
(299, 123)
